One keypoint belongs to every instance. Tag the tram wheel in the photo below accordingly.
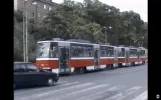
(111, 66)
(81, 71)
(120, 65)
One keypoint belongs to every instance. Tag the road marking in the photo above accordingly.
(96, 95)
(124, 94)
(46, 93)
(68, 83)
(122, 71)
(36, 90)
(142, 96)
(61, 82)
(76, 92)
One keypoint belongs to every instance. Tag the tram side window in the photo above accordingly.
(77, 50)
(88, 51)
(103, 52)
(42, 50)
(110, 51)
(53, 51)
(80, 51)
(74, 51)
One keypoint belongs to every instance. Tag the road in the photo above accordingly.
(128, 83)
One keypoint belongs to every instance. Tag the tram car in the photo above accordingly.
(143, 55)
(77, 57)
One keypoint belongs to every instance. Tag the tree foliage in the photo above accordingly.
(84, 21)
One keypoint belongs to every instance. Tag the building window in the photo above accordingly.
(38, 14)
(45, 6)
(44, 16)
(24, 1)
(50, 8)
(38, 5)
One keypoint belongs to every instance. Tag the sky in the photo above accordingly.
(138, 6)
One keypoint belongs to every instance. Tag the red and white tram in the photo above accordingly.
(69, 57)
(143, 55)
(122, 56)
(77, 57)
(133, 56)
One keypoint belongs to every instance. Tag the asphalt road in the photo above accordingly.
(128, 83)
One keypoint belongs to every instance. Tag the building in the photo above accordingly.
(36, 9)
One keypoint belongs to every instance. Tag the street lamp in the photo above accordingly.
(25, 33)
(35, 4)
(142, 40)
(105, 32)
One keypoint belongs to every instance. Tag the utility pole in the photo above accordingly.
(36, 14)
(26, 37)
(105, 36)
(24, 48)
(25, 33)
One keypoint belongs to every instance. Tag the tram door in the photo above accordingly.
(64, 60)
(96, 59)
(138, 55)
(126, 56)
(116, 60)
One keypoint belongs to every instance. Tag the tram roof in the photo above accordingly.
(77, 43)
(121, 46)
(108, 45)
(68, 42)
(22, 62)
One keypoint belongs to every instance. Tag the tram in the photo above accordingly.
(77, 57)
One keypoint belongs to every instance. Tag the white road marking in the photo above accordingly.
(96, 95)
(68, 83)
(142, 96)
(39, 89)
(58, 90)
(124, 94)
(76, 92)
(121, 72)
(61, 82)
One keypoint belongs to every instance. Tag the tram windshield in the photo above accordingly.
(142, 53)
(43, 50)
(133, 52)
(121, 52)
(47, 50)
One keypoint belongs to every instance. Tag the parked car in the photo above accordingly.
(29, 74)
